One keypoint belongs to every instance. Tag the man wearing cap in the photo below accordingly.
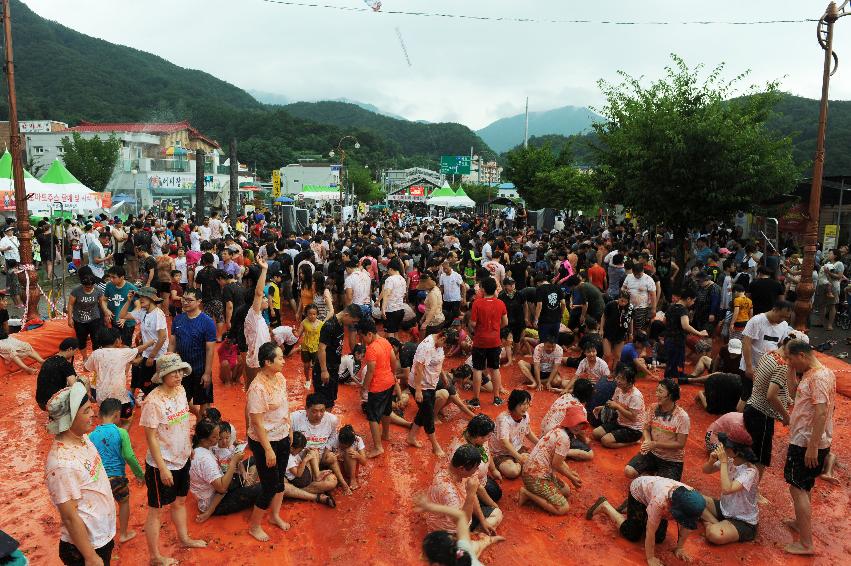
(166, 421)
(541, 484)
(733, 518)
(652, 501)
(77, 481)
(154, 328)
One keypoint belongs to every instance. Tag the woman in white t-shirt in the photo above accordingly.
(217, 492)
(735, 516)
(392, 298)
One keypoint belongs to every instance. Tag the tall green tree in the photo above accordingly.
(91, 161)
(547, 180)
(684, 150)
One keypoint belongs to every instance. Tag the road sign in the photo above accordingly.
(276, 183)
(830, 233)
(455, 164)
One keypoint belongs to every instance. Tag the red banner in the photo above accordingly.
(795, 219)
(416, 191)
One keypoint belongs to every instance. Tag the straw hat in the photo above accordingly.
(63, 406)
(168, 363)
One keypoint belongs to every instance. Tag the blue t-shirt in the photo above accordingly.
(604, 389)
(192, 335)
(629, 354)
(115, 299)
(107, 440)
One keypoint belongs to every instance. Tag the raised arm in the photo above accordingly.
(261, 283)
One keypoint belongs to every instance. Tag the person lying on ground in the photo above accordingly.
(13, 350)
(628, 406)
(512, 427)
(541, 484)
(652, 501)
(442, 548)
(734, 517)
(546, 360)
(456, 485)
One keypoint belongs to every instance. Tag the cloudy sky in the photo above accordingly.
(462, 70)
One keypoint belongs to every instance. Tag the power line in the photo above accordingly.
(519, 20)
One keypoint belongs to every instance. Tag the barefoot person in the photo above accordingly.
(428, 363)
(77, 481)
(380, 383)
(652, 501)
(512, 426)
(541, 485)
(350, 450)
(487, 317)
(319, 426)
(165, 419)
(546, 359)
(269, 436)
(628, 404)
(445, 549)
(810, 435)
(665, 434)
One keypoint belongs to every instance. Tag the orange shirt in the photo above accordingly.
(380, 352)
(597, 275)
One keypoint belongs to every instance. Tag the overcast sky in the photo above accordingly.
(466, 71)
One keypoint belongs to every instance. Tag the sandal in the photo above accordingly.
(328, 501)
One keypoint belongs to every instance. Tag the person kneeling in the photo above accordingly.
(734, 517)
(540, 483)
(652, 501)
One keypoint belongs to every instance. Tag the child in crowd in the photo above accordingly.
(445, 549)
(286, 339)
(175, 301)
(228, 360)
(351, 454)
(309, 329)
(742, 312)
(628, 405)
(604, 390)
(303, 471)
(113, 445)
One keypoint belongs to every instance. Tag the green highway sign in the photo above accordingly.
(455, 164)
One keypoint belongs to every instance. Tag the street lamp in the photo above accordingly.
(831, 61)
(341, 150)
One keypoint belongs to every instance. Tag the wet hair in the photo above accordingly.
(106, 337)
(489, 286)
(299, 440)
(361, 349)
(69, 344)
(203, 429)
(213, 414)
(346, 437)
(440, 547)
(799, 347)
(583, 389)
(480, 425)
(366, 326)
(117, 270)
(462, 372)
(589, 347)
(109, 407)
(467, 456)
(266, 353)
(353, 311)
(673, 388)
(518, 397)
(315, 399)
(628, 375)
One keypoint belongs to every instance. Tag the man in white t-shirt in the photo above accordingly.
(358, 286)
(319, 427)
(642, 296)
(454, 288)
(546, 359)
(762, 334)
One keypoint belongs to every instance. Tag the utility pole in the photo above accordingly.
(831, 61)
(233, 200)
(28, 276)
(526, 128)
(199, 185)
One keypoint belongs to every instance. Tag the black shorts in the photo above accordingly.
(651, 464)
(487, 511)
(196, 392)
(216, 309)
(140, 376)
(379, 405)
(577, 444)
(548, 329)
(747, 388)
(309, 357)
(159, 494)
(425, 409)
(747, 532)
(761, 428)
(796, 473)
(287, 348)
(393, 321)
(635, 524)
(484, 358)
(70, 555)
(304, 480)
(622, 434)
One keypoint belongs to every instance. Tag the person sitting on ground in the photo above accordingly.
(628, 405)
(604, 390)
(57, 372)
(512, 426)
(456, 485)
(350, 450)
(541, 485)
(478, 433)
(464, 372)
(652, 501)
(303, 472)
(319, 426)
(634, 355)
(665, 433)
(546, 360)
(592, 367)
(577, 393)
(442, 548)
(734, 517)
(113, 445)
(218, 492)
(720, 393)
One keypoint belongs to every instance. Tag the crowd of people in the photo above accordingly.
(386, 304)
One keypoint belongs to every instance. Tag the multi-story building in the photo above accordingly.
(483, 172)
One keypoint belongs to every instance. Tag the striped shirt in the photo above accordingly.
(772, 368)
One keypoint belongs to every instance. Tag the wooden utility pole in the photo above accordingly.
(22, 214)
(199, 185)
(233, 201)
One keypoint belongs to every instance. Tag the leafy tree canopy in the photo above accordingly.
(547, 180)
(91, 161)
(681, 151)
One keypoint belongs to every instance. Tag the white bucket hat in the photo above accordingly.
(168, 363)
(63, 406)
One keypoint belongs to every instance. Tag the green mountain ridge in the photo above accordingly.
(506, 133)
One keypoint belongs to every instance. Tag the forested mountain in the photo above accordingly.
(506, 133)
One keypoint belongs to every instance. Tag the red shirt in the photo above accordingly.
(597, 275)
(487, 313)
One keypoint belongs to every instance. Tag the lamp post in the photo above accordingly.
(339, 149)
(831, 61)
